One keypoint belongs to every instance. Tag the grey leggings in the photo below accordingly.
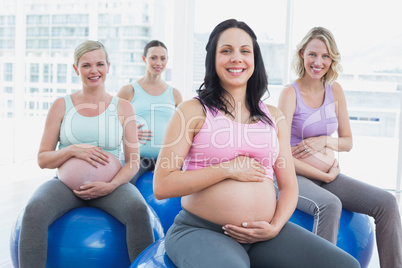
(194, 242)
(53, 199)
(146, 164)
(325, 202)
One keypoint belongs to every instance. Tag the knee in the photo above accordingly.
(332, 206)
(35, 210)
(387, 202)
(137, 206)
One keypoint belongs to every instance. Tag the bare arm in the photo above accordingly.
(177, 97)
(126, 92)
(285, 174)
(130, 143)
(344, 142)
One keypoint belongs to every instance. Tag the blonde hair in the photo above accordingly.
(88, 46)
(326, 36)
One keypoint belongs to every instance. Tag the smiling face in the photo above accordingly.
(317, 59)
(93, 68)
(156, 60)
(234, 59)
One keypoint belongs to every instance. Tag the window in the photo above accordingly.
(47, 73)
(8, 72)
(34, 70)
(61, 73)
(33, 90)
(45, 106)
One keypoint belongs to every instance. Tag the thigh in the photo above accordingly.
(124, 203)
(356, 195)
(200, 247)
(313, 195)
(51, 200)
(296, 247)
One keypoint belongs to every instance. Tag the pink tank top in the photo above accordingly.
(220, 139)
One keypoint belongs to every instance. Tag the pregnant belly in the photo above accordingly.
(76, 172)
(233, 202)
(322, 160)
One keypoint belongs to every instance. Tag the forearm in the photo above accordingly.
(54, 159)
(125, 174)
(179, 183)
(340, 144)
(286, 204)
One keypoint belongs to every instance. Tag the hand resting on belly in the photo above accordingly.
(322, 160)
(76, 172)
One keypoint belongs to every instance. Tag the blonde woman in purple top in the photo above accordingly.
(315, 107)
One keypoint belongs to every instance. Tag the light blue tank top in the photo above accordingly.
(104, 130)
(154, 112)
(309, 122)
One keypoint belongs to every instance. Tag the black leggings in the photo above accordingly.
(194, 242)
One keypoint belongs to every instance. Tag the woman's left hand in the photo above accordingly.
(94, 190)
(251, 232)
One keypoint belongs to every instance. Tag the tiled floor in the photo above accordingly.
(18, 182)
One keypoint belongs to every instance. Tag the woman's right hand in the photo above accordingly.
(91, 154)
(245, 169)
(333, 172)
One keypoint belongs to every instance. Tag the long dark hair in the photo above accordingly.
(212, 93)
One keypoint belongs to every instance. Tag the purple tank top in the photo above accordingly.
(308, 122)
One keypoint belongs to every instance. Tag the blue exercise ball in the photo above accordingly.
(355, 235)
(154, 256)
(166, 209)
(85, 237)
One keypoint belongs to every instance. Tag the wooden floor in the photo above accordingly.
(18, 182)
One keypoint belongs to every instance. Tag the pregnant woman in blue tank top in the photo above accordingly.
(154, 102)
(89, 127)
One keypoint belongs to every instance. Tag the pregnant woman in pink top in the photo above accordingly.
(219, 154)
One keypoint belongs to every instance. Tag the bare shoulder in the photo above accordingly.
(337, 90)
(288, 92)
(126, 92)
(191, 107)
(178, 98)
(124, 108)
(58, 107)
(276, 114)
(59, 102)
